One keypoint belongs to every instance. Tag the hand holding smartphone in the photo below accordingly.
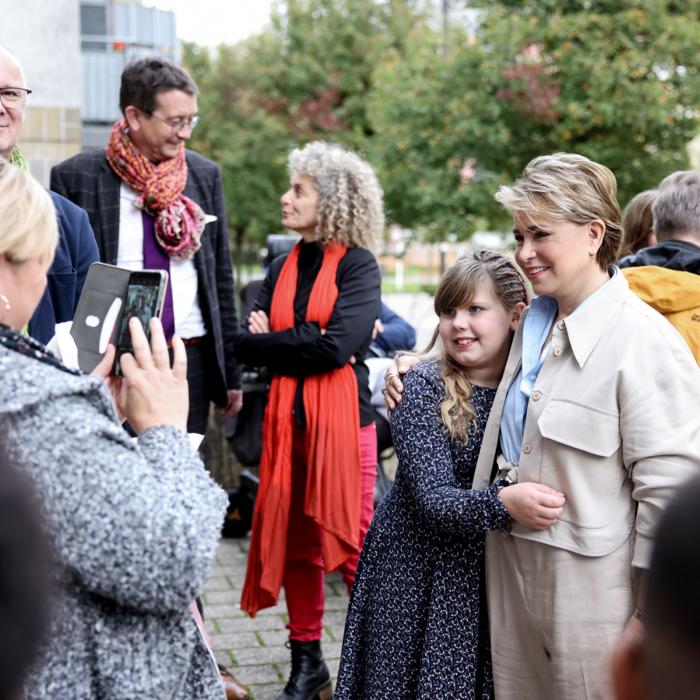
(144, 300)
(111, 296)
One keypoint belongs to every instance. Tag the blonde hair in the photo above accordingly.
(637, 223)
(28, 228)
(350, 206)
(458, 286)
(568, 187)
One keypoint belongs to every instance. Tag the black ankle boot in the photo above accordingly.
(309, 679)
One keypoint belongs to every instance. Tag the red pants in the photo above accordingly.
(303, 570)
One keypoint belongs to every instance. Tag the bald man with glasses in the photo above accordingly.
(77, 248)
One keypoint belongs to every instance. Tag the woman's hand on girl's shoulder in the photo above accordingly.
(534, 506)
(393, 386)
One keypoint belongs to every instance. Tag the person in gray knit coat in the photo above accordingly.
(134, 525)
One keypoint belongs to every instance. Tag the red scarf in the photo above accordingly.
(333, 482)
(179, 221)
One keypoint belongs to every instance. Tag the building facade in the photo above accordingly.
(114, 32)
(45, 37)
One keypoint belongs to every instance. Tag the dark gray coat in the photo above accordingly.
(134, 528)
(88, 181)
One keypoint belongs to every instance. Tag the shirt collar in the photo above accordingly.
(587, 324)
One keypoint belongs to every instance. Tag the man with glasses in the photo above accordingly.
(76, 246)
(155, 205)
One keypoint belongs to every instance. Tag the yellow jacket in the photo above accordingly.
(673, 293)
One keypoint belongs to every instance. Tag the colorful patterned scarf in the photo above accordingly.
(179, 221)
(18, 159)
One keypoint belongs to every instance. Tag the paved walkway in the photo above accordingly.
(254, 648)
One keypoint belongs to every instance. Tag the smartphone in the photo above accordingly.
(98, 312)
(144, 298)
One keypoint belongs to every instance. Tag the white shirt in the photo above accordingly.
(189, 322)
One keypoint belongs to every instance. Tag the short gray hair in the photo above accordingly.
(350, 204)
(676, 208)
(9, 56)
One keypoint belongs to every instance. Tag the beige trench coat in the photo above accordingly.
(613, 422)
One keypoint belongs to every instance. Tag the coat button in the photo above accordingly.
(561, 325)
(536, 395)
(527, 448)
(556, 352)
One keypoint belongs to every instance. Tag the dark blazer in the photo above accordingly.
(75, 253)
(87, 180)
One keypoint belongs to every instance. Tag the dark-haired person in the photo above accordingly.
(76, 249)
(662, 663)
(637, 224)
(667, 275)
(154, 204)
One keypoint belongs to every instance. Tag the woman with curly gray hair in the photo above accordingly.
(311, 327)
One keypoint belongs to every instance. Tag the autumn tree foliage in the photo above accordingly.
(446, 114)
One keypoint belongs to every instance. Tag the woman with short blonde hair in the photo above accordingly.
(598, 400)
(126, 568)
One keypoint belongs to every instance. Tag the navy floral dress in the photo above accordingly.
(417, 624)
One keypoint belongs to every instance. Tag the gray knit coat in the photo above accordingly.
(134, 528)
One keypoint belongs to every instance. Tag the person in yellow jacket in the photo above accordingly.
(667, 275)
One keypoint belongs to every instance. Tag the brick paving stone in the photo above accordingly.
(336, 603)
(248, 656)
(217, 611)
(258, 674)
(247, 624)
(265, 692)
(253, 648)
(238, 640)
(220, 597)
(274, 637)
(217, 583)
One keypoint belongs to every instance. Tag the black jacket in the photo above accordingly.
(302, 350)
(88, 180)
(672, 254)
(75, 252)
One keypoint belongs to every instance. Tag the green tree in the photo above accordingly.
(614, 80)
(308, 77)
(238, 132)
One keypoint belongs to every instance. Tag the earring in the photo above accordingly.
(6, 302)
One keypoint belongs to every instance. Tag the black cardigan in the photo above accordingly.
(302, 350)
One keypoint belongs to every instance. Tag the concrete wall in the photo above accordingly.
(45, 36)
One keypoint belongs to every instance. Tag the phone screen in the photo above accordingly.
(143, 299)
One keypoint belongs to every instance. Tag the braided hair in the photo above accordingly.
(457, 288)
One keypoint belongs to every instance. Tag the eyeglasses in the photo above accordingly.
(177, 124)
(14, 97)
